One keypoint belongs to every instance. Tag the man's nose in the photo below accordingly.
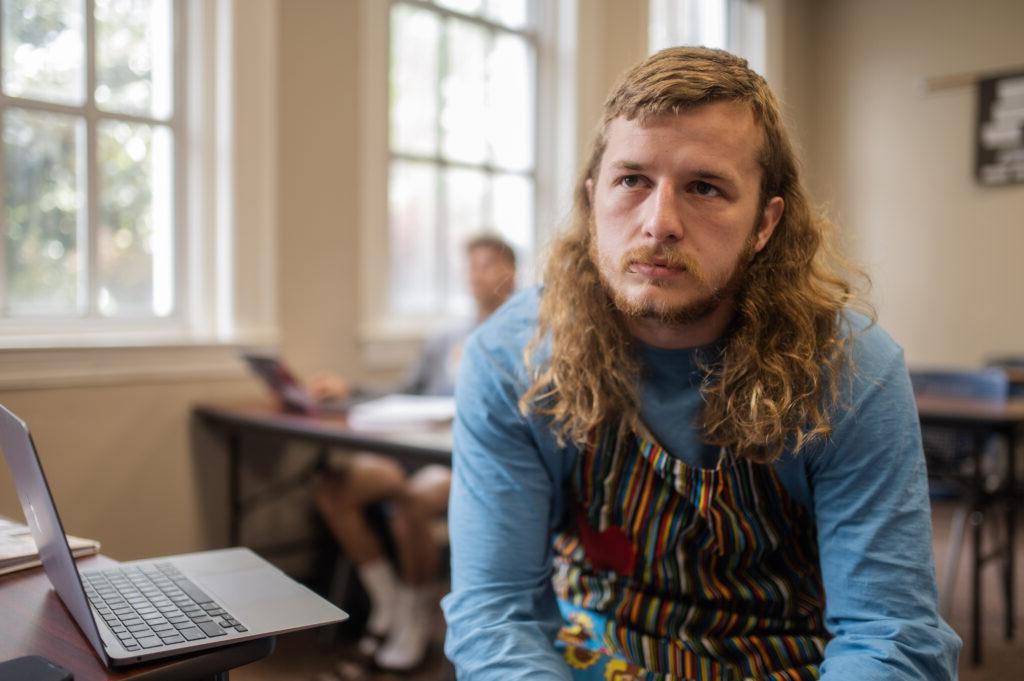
(664, 219)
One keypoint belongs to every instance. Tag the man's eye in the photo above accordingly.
(704, 189)
(630, 181)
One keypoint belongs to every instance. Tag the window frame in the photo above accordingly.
(745, 26)
(86, 320)
(382, 324)
(387, 342)
(227, 257)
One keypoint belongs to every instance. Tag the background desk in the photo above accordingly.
(35, 622)
(982, 419)
(412, 448)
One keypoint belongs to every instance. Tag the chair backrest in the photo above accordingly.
(951, 452)
(990, 384)
(1008, 362)
(1014, 366)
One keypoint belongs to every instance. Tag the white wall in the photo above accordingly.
(896, 166)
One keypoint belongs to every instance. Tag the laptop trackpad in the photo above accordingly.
(256, 585)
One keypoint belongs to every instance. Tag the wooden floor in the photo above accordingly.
(1002, 660)
(305, 657)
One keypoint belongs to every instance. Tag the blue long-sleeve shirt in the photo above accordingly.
(865, 487)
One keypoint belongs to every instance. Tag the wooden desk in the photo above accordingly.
(983, 419)
(411, 448)
(35, 622)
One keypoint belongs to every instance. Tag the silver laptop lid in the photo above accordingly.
(47, 530)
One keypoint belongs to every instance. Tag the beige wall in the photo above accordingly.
(612, 37)
(120, 463)
(896, 167)
(320, 182)
(789, 48)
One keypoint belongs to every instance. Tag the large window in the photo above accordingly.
(91, 123)
(734, 25)
(462, 100)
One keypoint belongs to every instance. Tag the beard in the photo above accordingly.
(647, 307)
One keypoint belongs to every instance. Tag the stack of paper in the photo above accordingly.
(18, 550)
(402, 412)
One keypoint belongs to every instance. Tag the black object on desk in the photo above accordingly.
(33, 668)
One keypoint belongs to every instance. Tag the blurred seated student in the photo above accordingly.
(398, 626)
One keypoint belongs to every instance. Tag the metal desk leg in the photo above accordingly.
(1011, 532)
(977, 520)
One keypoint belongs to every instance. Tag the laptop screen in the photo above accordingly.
(41, 516)
(292, 395)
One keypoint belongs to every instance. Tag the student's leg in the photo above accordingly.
(401, 608)
(425, 500)
(430, 486)
(342, 497)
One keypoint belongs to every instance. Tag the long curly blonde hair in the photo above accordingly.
(774, 383)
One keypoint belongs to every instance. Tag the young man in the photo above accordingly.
(400, 602)
(685, 457)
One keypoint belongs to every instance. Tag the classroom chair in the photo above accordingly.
(966, 466)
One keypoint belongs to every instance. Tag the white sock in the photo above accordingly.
(381, 584)
(407, 642)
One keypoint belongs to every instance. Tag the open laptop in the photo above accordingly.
(289, 391)
(149, 609)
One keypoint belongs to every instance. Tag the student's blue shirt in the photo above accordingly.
(865, 487)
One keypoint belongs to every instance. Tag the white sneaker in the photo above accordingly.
(406, 644)
(369, 644)
(381, 584)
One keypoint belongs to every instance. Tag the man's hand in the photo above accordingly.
(326, 385)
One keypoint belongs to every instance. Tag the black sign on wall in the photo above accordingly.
(999, 157)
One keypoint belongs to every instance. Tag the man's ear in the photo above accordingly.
(769, 220)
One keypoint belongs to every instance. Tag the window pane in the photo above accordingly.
(43, 198)
(44, 50)
(464, 6)
(512, 212)
(412, 209)
(464, 115)
(133, 240)
(687, 22)
(465, 192)
(414, 61)
(511, 13)
(134, 53)
(510, 105)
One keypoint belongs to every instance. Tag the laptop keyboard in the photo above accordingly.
(153, 605)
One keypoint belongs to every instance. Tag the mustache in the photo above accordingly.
(662, 257)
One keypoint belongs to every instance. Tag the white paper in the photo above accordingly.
(402, 412)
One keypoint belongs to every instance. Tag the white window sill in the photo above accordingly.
(110, 361)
